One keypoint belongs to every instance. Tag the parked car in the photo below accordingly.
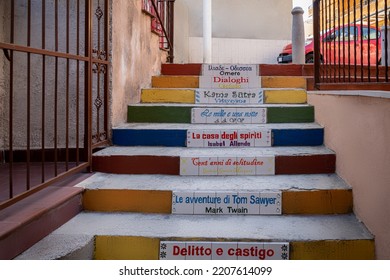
(338, 45)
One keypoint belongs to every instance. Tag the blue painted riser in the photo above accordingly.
(177, 138)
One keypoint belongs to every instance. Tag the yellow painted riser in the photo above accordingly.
(283, 82)
(294, 202)
(143, 248)
(193, 82)
(187, 96)
(128, 201)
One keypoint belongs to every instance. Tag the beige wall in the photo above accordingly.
(357, 128)
(135, 56)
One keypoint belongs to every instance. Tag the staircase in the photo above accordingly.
(189, 178)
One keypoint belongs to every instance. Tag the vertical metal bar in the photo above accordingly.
(322, 37)
(56, 90)
(369, 41)
(106, 77)
(11, 102)
(361, 41)
(335, 41)
(88, 83)
(339, 39)
(77, 83)
(171, 12)
(67, 88)
(43, 91)
(344, 27)
(98, 78)
(386, 45)
(355, 39)
(316, 29)
(349, 40)
(356, 31)
(28, 159)
(377, 40)
(326, 30)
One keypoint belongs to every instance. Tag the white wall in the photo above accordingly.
(181, 39)
(229, 50)
(250, 31)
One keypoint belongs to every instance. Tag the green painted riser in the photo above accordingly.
(158, 114)
(171, 114)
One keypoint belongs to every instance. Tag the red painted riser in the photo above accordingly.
(310, 164)
(195, 69)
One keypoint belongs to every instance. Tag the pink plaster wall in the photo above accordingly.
(357, 128)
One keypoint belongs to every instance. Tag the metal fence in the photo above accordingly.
(53, 91)
(351, 43)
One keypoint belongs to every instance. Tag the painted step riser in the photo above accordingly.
(187, 96)
(195, 69)
(320, 202)
(178, 137)
(168, 165)
(147, 248)
(171, 114)
(193, 82)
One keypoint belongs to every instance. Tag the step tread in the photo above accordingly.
(272, 228)
(184, 126)
(313, 182)
(219, 105)
(194, 89)
(183, 151)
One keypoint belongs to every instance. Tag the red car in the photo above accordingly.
(334, 46)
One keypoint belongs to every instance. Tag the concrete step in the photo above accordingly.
(176, 135)
(167, 161)
(193, 82)
(301, 194)
(270, 96)
(182, 113)
(122, 235)
(29, 220)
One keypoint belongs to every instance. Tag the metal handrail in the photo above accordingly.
(168, 37)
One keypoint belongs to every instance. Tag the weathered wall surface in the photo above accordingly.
(135, 56)
(357, 128)
(4, 66)
(134, 53)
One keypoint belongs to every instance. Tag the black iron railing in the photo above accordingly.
(162, 13)
(351, 42)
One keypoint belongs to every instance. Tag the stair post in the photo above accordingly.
(298, 36)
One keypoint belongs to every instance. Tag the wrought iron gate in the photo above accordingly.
(53, 91)
(351, 40)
